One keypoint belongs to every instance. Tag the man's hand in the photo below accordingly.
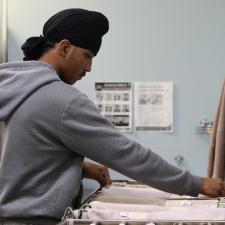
(213, 187)
(96, 172)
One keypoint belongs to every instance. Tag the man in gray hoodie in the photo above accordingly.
(50, 126)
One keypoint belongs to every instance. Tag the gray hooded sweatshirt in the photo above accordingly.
(49, 127)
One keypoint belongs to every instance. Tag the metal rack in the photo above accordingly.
(118, 222)
(80, 216)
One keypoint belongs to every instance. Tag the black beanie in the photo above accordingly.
(83, 28)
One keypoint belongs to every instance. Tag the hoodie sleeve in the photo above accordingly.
(85, 131)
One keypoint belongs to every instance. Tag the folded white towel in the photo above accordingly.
(135, 192)
(187, 214)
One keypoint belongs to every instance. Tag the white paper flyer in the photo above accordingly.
(153, 106)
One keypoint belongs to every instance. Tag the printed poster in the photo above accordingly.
(153, 106)
(114, 101)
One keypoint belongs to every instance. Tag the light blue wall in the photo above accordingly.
(150, 40)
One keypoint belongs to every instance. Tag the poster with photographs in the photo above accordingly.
(114, 101)
(153, 106)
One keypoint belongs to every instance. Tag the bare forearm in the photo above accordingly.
(96, 172)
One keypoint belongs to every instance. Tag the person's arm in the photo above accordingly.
(96, 172)
(87, 132)
(212, 187)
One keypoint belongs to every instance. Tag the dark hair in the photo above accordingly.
(35, 47)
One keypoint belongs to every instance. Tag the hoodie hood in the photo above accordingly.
(18, 80)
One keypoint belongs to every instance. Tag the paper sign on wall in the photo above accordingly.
(114, 101)
(153, 106)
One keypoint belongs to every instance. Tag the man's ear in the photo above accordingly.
(64, 47)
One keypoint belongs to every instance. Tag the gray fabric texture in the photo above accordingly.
(14, 223)
(49, 128)
(1, 137)
(30, 221)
